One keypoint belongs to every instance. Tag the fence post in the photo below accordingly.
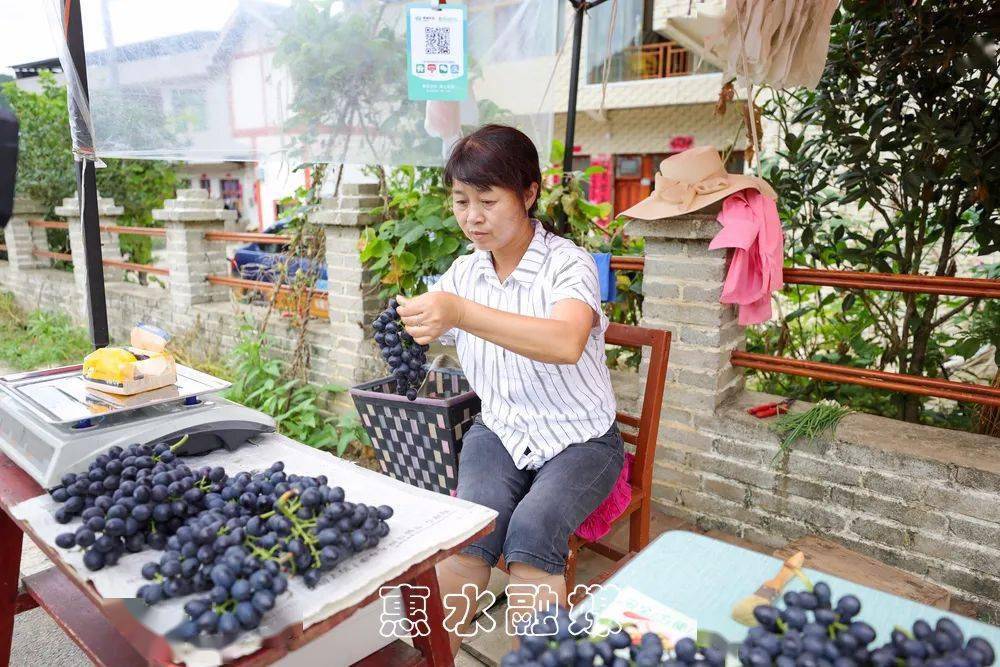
(681, 285)
(108, 214)
(191, 258)
(353, 302)
(20, 238)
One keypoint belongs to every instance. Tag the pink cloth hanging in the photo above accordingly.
(598, 524)
(750, 226)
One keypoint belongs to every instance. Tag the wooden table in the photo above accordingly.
(703, 578)
(111, 635)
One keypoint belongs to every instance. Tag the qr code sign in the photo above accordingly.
(437, 40)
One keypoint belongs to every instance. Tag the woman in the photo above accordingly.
(524, 311)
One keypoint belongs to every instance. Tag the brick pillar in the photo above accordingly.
(21, 239)
(681, 284)
(353, 301)
(190, 257)
(108, 214)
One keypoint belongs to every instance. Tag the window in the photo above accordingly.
(625, 38)
(189, 109)
(628, 166)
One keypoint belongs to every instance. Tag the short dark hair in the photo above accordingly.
(495, 156)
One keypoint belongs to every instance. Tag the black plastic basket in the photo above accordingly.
(419, 441)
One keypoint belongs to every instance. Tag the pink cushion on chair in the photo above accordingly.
(598, 524)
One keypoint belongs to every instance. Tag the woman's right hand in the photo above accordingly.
(428, 316)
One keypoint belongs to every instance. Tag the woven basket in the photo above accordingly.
(419, 441)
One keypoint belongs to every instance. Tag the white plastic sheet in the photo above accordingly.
(424, 522)
(309, 80)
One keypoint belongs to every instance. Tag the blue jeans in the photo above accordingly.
(538, 510)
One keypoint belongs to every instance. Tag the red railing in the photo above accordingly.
(46, 254)
(900, 382)
(111, 229)
(247, 237)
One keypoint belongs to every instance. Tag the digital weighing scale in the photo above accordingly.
(51, 423)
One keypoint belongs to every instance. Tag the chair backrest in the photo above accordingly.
(648, 422)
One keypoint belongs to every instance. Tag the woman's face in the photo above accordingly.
(490, 218)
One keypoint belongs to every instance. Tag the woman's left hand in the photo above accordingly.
(429, 315)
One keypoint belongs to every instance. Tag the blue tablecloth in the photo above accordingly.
(703, 578)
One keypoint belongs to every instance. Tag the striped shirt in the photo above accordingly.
(537, 409)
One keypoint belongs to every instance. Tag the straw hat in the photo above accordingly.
(692, 180)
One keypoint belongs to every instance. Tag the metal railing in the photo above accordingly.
(858, 280)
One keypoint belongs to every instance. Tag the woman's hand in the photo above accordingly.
(429, 315)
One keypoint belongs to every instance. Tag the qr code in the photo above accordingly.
(438, 40)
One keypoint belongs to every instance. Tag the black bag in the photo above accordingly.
(8, 163)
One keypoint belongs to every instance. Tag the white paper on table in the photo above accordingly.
(423, 523)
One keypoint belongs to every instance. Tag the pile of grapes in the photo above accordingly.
(405, 357)
(235, 539)
(810, 631)
(555, 639)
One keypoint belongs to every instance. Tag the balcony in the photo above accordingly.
(649, 61)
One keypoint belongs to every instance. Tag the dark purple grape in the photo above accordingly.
(66, 540)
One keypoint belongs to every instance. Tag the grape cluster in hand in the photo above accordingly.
(555, 639)
(236, 539)
(405, 357)
(811, 631)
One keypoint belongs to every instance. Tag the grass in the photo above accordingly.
(39, 339)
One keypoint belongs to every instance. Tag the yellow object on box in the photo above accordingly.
(130, 370)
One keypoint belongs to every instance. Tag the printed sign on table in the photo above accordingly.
(435, 56)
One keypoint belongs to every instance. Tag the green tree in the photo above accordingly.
(45, 170)
(891, 165)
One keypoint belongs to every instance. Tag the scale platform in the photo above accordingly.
(52, 423)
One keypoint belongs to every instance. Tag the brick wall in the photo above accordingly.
(923, 499)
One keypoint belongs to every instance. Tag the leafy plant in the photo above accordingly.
(890, 165)
(564, 201)
(420, 237)
(39, 339)
(809, 425)
(262, 382)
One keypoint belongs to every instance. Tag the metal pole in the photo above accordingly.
(579, 7)
(86, 182)
(574, 81)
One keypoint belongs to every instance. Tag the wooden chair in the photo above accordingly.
(646, 427)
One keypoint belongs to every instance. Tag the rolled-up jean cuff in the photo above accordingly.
(476, 550)
(534, 561)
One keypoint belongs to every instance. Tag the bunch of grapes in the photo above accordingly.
(808, 632)
(242, 591)
(813, 632)
(405, 357)
(233, 538)
(129, 499)
(555, 639)
(942, 645)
